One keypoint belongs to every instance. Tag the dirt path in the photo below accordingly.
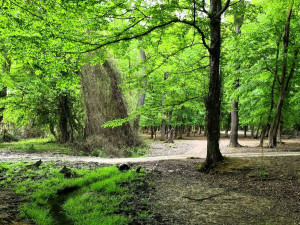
(181, 149)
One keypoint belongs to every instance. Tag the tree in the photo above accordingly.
(238, 22)
(285, 78)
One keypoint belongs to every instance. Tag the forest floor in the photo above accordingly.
(254, 186)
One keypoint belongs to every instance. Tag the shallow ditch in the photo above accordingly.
(56, 210)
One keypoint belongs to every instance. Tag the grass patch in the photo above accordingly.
(93, 197)
(35, 144)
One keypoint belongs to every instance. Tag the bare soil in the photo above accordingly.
(238, 196)
(248, 190)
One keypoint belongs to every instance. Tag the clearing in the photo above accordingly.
(249, 188)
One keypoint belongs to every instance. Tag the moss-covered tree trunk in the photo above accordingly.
(103, 101)
(142, 96)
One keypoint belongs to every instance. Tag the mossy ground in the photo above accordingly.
(88, 197)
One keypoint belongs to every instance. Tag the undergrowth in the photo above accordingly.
(91, 197)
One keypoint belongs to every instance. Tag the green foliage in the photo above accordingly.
(263, 173)
(44, 44)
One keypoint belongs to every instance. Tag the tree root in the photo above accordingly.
(203, 199)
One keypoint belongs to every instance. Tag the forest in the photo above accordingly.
(116, 79)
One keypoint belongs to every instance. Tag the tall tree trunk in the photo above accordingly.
(267, 126)
(142, 96)
(285, 79)
(252, 132)
(280, 132)
(163, 122)
(257, 131)
(228, 125)
(245, 130)
(200, 129)
(3, 93)
(171, 132)
(213, 101)
(63, 106)
(234, 125)
(117, 96)
(189, 128)
(238, 21)
(103, 101)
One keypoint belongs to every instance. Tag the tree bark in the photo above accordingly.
(189, 128)
(213, 101)
(103, 101)
(171, 132)
(234, 125)
(3, 94)
(142, 96)
(245, 130)
(117, 96)
(64, 112)
(3, 91)
(228, 125)
(252, 132)
(163, 122)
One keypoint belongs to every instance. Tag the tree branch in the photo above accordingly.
(41, 18)
(222, 10)
(145, 33)
(291, 74)
(203, 7)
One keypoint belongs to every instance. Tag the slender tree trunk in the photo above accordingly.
(257, 131)
(280, 132)
(171, 132)
(179, 132)
(267, 126)
(234, 125)
(3, 91)
(245, 130)
(163, 130)
(142, 96)
(189, 128)
(228, 125)
(285, 79)
(63, 119)
(52, 131)
(163, 123)
(252, 132)
(262, 136)
(152, 132)
(238, 21)
(3, 94)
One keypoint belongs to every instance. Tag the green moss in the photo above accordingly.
(229, 165)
